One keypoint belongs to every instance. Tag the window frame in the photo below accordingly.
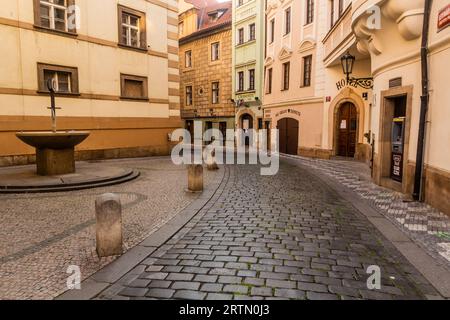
(286, 76)
(142, 21)
(191, 95)
(37, 17)
(241, 36)
(215, 90)
(212, 51)
(287, 21)
(309, 11)
(307, 71)
(186, 60)
(252, 32)
(251, 79)
(272, 30)
(241, 80)
(269, 81)
(124, 77)
(73, 71)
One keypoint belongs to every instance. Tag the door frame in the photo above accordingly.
(287, 118)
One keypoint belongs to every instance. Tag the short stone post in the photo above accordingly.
(195, 178)
(211, 163)
(108, 212)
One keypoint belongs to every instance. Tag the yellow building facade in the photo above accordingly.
(115, 65)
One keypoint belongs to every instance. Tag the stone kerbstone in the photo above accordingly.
(108, 211)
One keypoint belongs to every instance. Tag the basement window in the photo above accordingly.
(134, 87)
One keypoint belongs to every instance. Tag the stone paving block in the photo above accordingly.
(308, 286)
(205, 278)
(321, 296)
(290, 294)
(281, 284)
(133, 292)
(185, 285)
(211, 287)
(260, 291)
(189, 295)
(160, 293)
(236, 289)
(180, 277)
(219, 296)
(230, 279)
(160, 284)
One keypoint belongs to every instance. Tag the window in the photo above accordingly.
(269, 81)
(341, 7)
(272, 30)
(189, 95)
(181, 28)
(215, 92)
(287, 28)
(54, 14)
(309, 11)
(65, 79)
(332, 13)
(240, 81)
(215, 47)
(286, 75)
(251, 77)
(240, 3)
(188, 59)
(134, 87)
(307, 70)
(241, 36)
(132, 31)
(252, 35)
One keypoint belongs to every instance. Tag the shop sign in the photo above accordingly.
(444, 18)
(343, 83)
(298, 113)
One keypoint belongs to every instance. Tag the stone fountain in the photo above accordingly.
(55, 150)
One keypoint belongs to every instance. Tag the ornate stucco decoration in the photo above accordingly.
(407, 14)
(307, 45)
(285, 53)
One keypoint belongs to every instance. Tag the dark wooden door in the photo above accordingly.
(288, 130)
(347, 128)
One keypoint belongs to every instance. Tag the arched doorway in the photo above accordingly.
(288, 130)
(347, 128)
(247, 126)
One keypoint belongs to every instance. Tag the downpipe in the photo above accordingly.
(424, 104)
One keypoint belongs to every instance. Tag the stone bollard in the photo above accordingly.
(195, 178)
(108, 212)
(211, 163)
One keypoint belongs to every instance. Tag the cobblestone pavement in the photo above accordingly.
(283, 237)
(428, 227)
(42, 234)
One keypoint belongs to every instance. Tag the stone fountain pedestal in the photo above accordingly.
(55, 151)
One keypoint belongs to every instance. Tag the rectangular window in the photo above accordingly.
(215, 92)
(341, 7)
(241, 81)
(240, 3)
(241, 36)
(307, 70)
(134, 87)
(64, 79)
(332, 14)
(189, 95)
(309, 11)
(286, 75)
(272, 30)
(132, 28)
(215, 47)
(251, 77)
(269, 81)
(188, 59)
(252, 31)
(181, 29)
(54, 14)
(287, 28)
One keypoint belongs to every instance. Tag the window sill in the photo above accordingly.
(60, 94)
(135, 99)
(55, 31)
(126, 47)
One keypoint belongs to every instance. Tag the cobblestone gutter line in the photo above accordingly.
(428, 227)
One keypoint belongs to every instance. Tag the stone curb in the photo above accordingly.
(437, 275)
(113, 272)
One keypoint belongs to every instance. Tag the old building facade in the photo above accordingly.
(205, 65)
(115, 66)
(248, 62)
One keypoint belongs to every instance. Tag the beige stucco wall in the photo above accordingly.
(94, 51)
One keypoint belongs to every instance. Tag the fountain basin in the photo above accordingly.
(55, 151)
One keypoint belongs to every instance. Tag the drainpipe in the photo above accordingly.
(418, 178)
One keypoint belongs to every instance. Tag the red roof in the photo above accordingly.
(208, 7)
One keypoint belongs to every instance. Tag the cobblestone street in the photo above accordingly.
(289, 236)
(43, 234)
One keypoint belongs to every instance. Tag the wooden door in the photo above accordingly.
(347, 129)
(288, 130)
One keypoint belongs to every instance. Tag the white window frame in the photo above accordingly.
(52, 6)
(130, 27)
